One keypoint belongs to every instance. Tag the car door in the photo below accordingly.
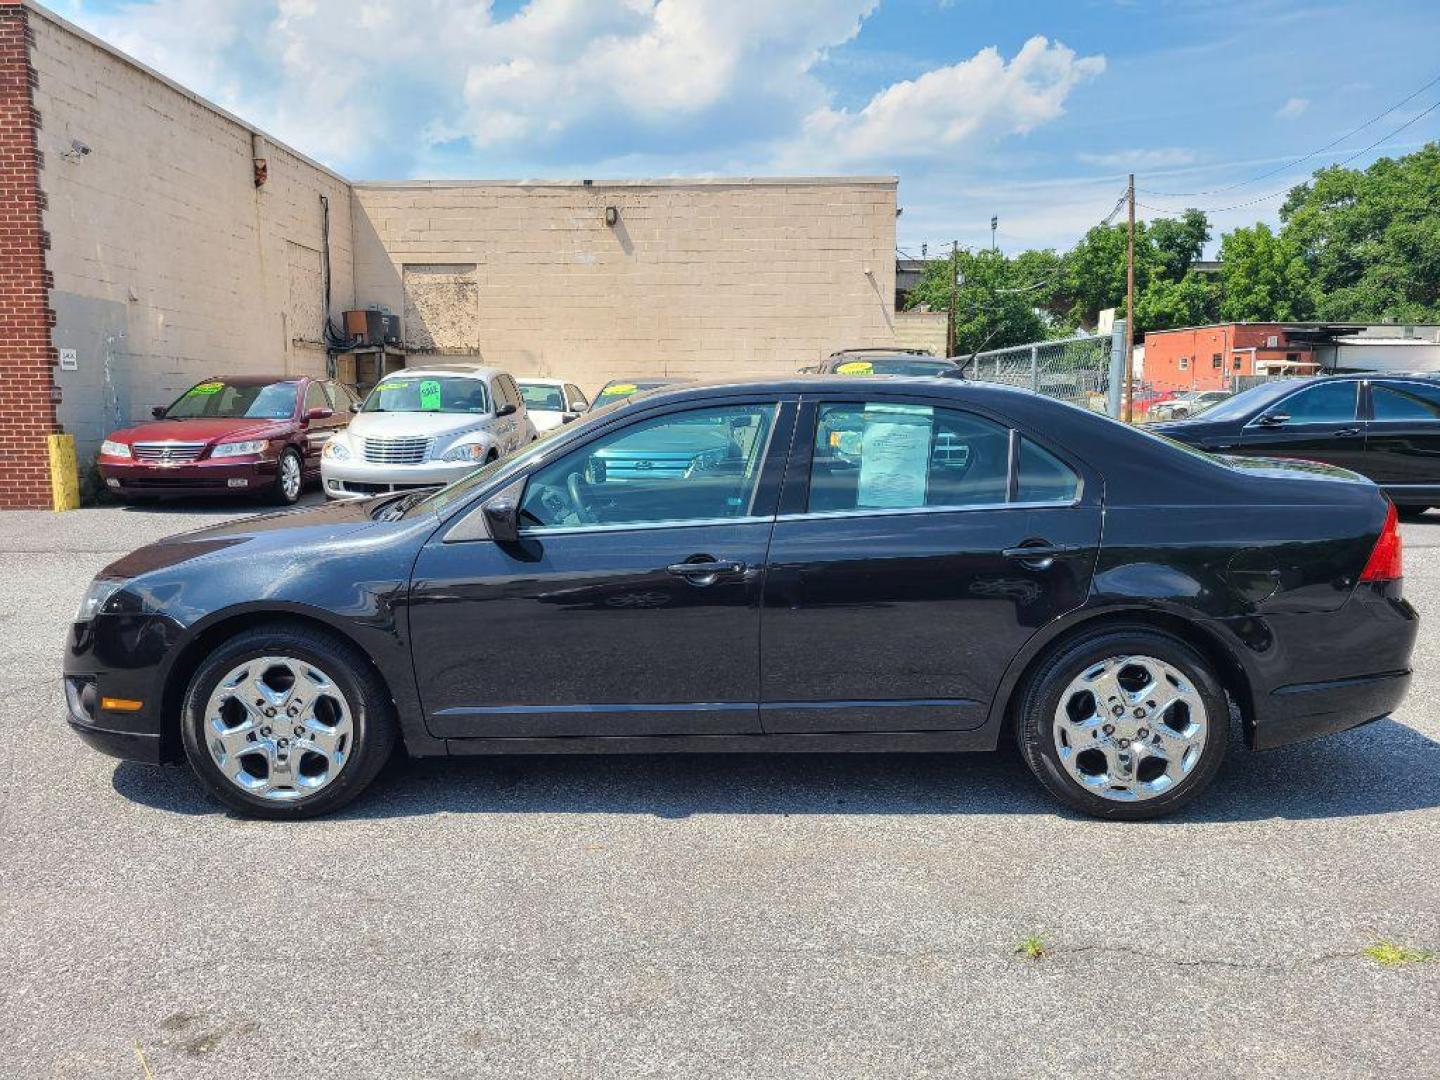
(1402, 437)
(917, 548)
(1320, 422)
(317, 431)
(628, 605)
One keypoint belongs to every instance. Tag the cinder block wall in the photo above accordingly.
(696, 277)
(169, 264)
(27, 412)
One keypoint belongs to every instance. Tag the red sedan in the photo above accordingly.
(257, 434)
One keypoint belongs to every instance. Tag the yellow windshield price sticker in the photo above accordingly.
(856, 367)
(430, 395)
(207, 388)
(384, 386)
(622, 388)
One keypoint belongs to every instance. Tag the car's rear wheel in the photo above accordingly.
(287, 722)
(1124, 723)
(289, 479)
(1411, 513)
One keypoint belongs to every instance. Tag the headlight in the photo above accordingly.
(470, 451)
(101, 589)
(335, 449)
(115, 449)
(240, 449)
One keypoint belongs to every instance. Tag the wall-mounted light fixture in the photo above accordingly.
(612, 215)
(77, 151)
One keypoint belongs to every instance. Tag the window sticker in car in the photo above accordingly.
(429, 395)
(895, 458)
(856, 367)
(621, 388)
(206, 388)
(384, 386)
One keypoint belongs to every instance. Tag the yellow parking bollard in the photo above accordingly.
(64, 478)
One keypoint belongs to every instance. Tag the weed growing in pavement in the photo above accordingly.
(1389, 954)
(1032, 947)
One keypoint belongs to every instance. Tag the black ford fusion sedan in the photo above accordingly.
(1385, 427)
(851, 564)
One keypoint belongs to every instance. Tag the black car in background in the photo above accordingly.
(847, 564)
(901, 362)
(1385, 427)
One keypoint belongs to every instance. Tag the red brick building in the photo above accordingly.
(1210, 357)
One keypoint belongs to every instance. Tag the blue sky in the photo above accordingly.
(1032, 110)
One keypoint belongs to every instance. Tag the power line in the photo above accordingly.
(1285, 191)
(1298, 161)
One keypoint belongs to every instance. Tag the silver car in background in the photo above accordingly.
(425, 427)
(552, 402)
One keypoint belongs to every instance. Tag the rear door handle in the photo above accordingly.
(704, 571)
(1347, 433)
(1036, 552)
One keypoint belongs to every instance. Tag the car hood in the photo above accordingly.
(202, 430)
(414, 425)
(301, 530)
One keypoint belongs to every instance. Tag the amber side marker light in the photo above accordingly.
(121, 704)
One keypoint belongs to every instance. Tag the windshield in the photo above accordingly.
(222, 400)
(429, 393)
(893, 365)
(1247, 401)
(613, 392)
(542, 396)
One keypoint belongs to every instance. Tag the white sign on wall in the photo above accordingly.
(69, 360)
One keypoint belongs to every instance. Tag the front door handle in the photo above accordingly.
(1347, 433)
(703, 570)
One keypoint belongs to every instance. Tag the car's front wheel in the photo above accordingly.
(287, 722)
(289, 478)
(1124, 723)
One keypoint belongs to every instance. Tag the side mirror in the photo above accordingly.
(566, 418)
(502, 515)
(158, 411)
(505, 410)
(577, 407)
(319, 414)
(1274, 419)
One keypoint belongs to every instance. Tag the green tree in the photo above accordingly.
(1191, 301)
(996, 301)
(1263, 277)
(1176, 243)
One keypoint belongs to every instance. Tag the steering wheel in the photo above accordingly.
(575, 485)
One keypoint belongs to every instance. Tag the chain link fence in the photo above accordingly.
(1077, 370)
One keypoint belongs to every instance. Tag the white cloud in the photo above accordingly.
(984, 97)
(1168, 157)
(1293, 108)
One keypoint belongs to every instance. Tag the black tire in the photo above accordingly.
(1040, 697)
(1411, 513)
(372, 718)
(278, 492)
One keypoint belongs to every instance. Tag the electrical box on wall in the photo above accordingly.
(372, 327)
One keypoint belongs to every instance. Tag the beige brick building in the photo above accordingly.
(182, 243)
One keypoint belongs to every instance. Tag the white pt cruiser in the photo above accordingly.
(423, 427)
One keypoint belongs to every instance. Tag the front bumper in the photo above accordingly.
(351, 479)
(120, 656)
(233, 475)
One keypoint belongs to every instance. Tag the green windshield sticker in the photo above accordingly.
(206, 388)
(430, 395)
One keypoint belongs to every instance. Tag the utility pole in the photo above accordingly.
(994, 224)
(1130, 306)
(950, 327)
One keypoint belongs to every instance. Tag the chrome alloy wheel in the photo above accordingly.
(290, 479)
(1130, 728)
(278, 728)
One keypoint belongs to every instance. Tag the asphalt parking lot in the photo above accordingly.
(835, 916)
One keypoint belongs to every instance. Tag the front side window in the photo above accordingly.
(220, 399)
(433, 394)
(1405, 401)
(699, 465)
(315, 398)
(1324, 403)
(878, 456)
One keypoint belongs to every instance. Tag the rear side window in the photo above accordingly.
(1042, 477)
(315, 398)
(1405, 401)
(878, 456)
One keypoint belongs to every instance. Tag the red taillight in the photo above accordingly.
(1385, 559)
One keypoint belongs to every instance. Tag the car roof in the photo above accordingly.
(538, 381)
(254, 380)
(884, 350)
(463, 371)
